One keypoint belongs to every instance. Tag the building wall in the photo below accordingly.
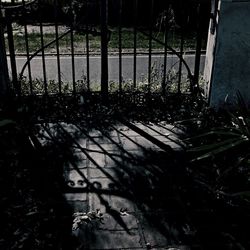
(228, 58)
(209, 61)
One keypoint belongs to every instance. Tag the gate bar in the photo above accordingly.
(165, 51)
(150, 44)
(57, 47)
(120, 45)
(87, 46)
(135, 39)
(12, 53)
(27, 50)
(198, 51)
(181, 52)
(42, 45)
(73, 59)
(104, 49)
(87, 58)
(178, 54)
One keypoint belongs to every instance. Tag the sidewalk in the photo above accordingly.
(132, 182)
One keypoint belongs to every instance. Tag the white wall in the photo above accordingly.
(228, 56)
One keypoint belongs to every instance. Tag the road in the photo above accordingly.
(95, 66)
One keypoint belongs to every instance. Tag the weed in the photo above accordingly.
(86, 218)
(220, 160)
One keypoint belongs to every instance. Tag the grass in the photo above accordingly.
(34, 41)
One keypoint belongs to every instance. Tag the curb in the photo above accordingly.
(115, 53)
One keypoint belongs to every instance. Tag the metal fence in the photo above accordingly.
(104, 45)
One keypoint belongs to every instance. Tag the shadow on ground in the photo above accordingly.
(139, 185)
(128, 182)
(33, 212)
(136, 184)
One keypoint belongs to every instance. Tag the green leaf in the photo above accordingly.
(213, 132)
(243, 194)
(214, 145)
(6, 122)
(243, 125)
(219, 150)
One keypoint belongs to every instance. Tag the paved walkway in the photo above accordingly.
(125, 185)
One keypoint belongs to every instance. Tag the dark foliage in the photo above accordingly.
(32, 210)
(213, 190)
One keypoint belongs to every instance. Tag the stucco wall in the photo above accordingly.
(229, 70)
(209, 61)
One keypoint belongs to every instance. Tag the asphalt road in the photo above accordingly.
(95, 66)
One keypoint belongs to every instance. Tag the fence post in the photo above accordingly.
(4, 76)
(195, 86)
(12, 52)
(104, 49)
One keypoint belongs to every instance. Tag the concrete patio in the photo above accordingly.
(130, 180)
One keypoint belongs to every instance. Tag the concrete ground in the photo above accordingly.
(123, 186)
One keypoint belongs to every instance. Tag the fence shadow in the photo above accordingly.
(122, 174)
(127, 188)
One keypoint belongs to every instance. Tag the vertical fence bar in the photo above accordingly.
(72, 25)
(135, 41)
(73, 60)
(87, 59)
(181, 50)
(104, 49)
(27, 50)
(42, 45)
(163, 86)
(4, 76)
(12, 53)
(87, 46)
(198, 51)
(180, 64)
(120, 45)
(150, 43)
(57, 47)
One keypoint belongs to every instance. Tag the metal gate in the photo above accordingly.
(71, 47)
